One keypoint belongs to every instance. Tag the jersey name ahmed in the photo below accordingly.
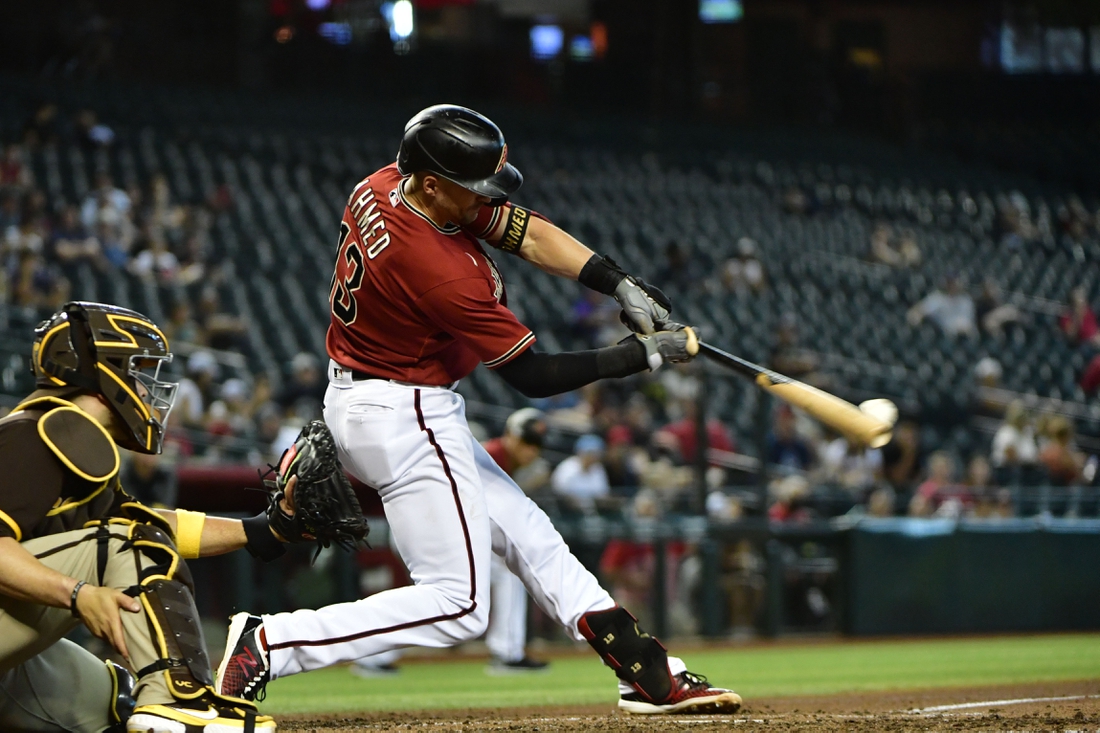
(412, 301)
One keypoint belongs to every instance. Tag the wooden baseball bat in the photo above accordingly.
(855, 423)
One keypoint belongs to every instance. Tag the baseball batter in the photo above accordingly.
(416, 304)
(75, 548)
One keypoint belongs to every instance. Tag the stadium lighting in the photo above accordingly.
(720, 11)
(546, 41)
(402, 26)
(338, 34)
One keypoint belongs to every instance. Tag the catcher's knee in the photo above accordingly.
(166, 592)
(637, 658)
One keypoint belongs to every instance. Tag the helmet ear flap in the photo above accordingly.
(82, 343)
(83, 374)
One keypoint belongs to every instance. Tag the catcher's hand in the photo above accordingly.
(311, 498)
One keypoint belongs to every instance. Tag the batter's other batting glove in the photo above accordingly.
(643, 305)
(678, 343)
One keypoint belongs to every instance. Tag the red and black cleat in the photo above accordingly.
(691, 695)
(244, 671)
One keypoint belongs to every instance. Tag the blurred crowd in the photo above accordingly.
(114, 226)
(637, 450)
(224, 413)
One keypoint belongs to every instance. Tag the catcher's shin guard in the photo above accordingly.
(637, 658)
(167, 593)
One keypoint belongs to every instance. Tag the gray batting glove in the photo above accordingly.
(671, 346)
(640, 310)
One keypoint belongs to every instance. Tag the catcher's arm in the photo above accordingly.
(220, 535)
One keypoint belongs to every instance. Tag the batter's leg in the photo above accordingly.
(650, 681)
(413, 444)
(507, 633)
(534, 550)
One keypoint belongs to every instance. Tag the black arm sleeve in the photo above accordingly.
(543, 375)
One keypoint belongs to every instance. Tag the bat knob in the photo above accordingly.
(692, 342)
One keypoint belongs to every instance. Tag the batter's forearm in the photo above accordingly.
(554, 250)
(23, 577)
(542, 375)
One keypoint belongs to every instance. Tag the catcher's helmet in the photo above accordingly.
(116, 353)
(461, 146)
(528, 424)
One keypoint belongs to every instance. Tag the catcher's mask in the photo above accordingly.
(113, 352)
(462, 146)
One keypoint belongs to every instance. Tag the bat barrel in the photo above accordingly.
(857, 425)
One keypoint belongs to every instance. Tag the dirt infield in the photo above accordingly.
(1059, 706)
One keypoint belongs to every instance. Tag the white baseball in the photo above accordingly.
(880, 409)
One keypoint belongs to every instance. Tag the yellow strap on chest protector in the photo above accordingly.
(189, 532)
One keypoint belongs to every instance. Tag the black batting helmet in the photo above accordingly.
(462, 146)
(113, 352)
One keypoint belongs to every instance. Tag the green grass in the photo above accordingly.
(759, 671)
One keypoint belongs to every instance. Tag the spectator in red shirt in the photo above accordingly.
(718, 435)
(628, 566)
(15, 176)
(1063, 462)
(939, 495)
(1078, 323)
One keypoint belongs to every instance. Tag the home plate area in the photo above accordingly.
(1056, 706)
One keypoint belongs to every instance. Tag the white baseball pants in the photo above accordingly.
(449, 506)
(506, 636)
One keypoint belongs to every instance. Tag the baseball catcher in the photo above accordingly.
(76, 548)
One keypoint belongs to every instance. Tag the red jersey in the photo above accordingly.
(496, 450)
(413, 301)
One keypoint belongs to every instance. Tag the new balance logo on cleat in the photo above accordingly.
(244, 670)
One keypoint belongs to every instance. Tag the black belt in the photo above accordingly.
(358, 376)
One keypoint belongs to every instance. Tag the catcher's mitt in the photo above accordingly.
(325, 507)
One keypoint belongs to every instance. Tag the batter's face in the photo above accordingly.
(451, 201)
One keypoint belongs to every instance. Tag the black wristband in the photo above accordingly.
(72, 599)
(601, 274)
(262, 543)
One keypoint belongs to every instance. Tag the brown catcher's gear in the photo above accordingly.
(113, 352)
(326, 509)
